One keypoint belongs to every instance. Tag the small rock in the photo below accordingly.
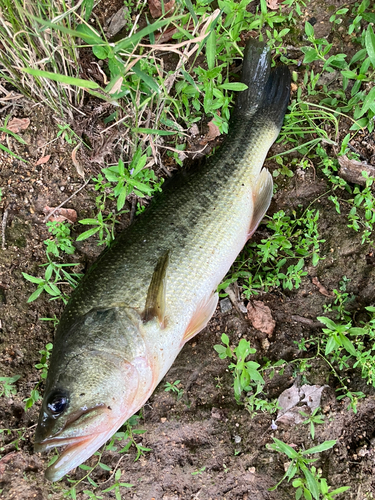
(225, 305)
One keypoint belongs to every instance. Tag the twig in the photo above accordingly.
(114, 471)
(352, 148)
(3, 226)
(66, 201)
(6, 107)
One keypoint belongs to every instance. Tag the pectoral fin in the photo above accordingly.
(155, 300)
(262, 194)
(201, 317)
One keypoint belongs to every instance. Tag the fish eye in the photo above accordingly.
(57, 402)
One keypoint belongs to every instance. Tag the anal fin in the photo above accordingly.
(262, 194)
(201, 317)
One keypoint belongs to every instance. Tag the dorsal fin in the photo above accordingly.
(262, 194)
(155, 300)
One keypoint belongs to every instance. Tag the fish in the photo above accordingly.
(156, 286)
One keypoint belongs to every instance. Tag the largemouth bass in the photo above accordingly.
(155, 288)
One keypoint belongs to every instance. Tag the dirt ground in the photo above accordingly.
(203, 446)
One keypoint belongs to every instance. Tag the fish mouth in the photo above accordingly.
(77, 450)
(80, 439)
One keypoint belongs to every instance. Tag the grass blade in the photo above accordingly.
(69, 80)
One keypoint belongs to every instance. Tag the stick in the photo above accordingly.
(3, 226)
(66, 201)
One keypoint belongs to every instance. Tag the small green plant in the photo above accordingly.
(314, 418)
(66, 133)
(128, 436)
(244, 372)
(306, 479)
(43, 367)
(248, 377)
(7, 387)
(346, 347)
(342, 297)
(361, 205)
(337, 337)
(174, 387)
(55, 320)
(13, 443)
(136, 178)
(55, 275)
(200, 471)
(61, 241)
(279, 259)
(104, 225)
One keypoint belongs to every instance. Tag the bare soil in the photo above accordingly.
(203, 446)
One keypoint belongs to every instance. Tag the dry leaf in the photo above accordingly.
(294, 400)
(213, 132)
(313, 395)
(288, 399)
(17, 124)
(61, 214)
(156, 8)
(43, 160)
(322, 289)
(260, 316)
(118, 22)
(76, 163)
(273, 4)
(117, 86)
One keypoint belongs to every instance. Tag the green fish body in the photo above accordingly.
(155, 288)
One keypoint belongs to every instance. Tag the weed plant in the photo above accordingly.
(278, 259)
(7, 387)
(56, 273)
(248, 380)
(306, 479)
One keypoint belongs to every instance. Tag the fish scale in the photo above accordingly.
(155, 287)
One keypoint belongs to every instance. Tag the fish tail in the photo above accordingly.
(268, 90)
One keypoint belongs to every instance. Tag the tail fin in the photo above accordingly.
(268, 90)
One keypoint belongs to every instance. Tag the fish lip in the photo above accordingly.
(77, 450)
(44, 444)
(57, 442)
(61, 466)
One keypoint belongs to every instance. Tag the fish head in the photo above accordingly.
(92, 387)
